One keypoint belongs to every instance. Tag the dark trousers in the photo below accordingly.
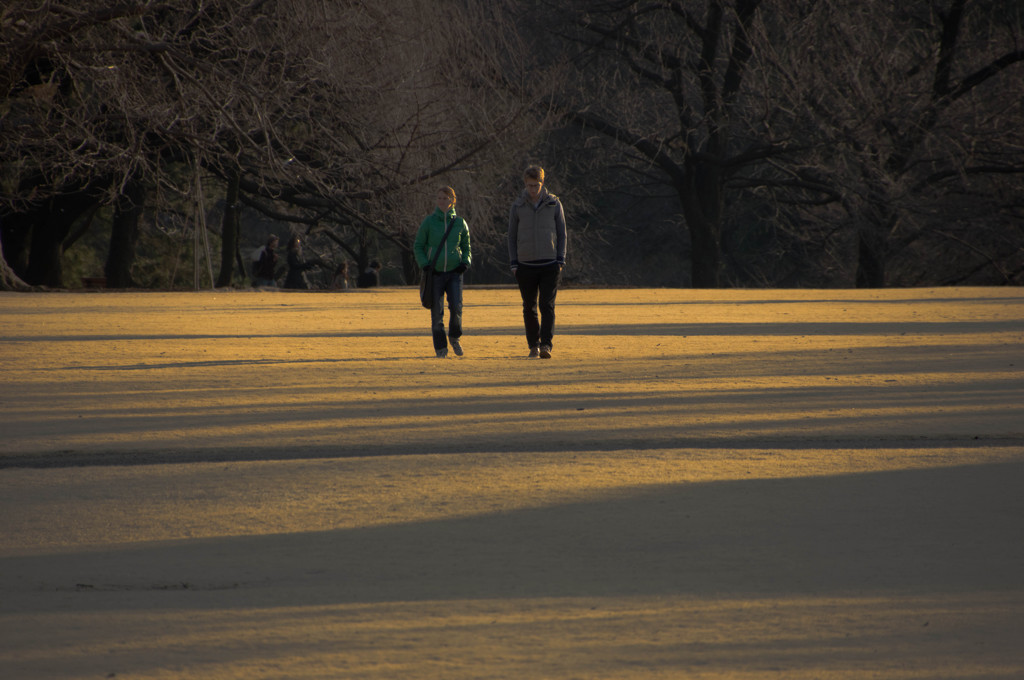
(538, 286)
(450, 284)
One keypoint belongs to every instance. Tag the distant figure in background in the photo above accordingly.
(371, 277)
(297, 266)
(340, 281)
(265, 268)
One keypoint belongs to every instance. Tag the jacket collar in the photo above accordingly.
(546, 197)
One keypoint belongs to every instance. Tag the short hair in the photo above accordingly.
(448, 192)
(534, 172)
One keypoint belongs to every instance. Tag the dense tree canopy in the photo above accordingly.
(695, 142)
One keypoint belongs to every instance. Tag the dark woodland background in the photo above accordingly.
(703, 143)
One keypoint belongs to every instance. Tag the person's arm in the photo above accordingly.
(464, 245)
(419, 246)
(560, 234)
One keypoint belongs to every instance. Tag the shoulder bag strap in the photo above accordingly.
(444, 240)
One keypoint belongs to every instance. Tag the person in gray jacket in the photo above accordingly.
(536, 251)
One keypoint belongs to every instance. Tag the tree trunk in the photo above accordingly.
(705, 257)
(701, 196)
(9, 280)
(124, 234)
(229, 233)
(16, 230)
(52, 224)
(410, 269)
(870, 260)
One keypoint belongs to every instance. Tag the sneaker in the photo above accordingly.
(534, 353)
(457, 347)
(545, 351)
(442, 353)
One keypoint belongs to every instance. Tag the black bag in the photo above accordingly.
(427, 276)
(427, 287)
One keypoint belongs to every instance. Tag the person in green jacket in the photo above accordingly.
(453, 259)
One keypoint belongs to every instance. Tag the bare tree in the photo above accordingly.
(833, 136)
(9, 280)
(666, 82)
(327, 113)
(910, 118)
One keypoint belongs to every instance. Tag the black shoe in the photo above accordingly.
(545, 351)
(442, 353)
(457, 348)
(534, 353)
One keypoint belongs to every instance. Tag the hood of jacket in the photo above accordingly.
(546, 198)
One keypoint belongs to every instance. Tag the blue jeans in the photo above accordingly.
(450, 284)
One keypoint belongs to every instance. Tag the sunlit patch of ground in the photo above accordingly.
(705, 484)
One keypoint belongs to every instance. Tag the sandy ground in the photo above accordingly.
(699, 484)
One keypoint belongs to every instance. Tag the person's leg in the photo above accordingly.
(528, 281)
(453, 288)
(437, 314)
(547, 290)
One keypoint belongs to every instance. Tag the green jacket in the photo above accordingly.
(456, 249)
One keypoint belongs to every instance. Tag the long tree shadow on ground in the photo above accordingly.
(944, 530)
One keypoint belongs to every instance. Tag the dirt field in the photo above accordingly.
(699, 484)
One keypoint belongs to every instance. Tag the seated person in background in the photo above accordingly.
(265, 268)
(340, 281)
(297, 265)
(371, 277)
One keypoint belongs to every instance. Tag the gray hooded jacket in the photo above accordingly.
(536, 235)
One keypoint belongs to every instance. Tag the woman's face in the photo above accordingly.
(444, 201)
